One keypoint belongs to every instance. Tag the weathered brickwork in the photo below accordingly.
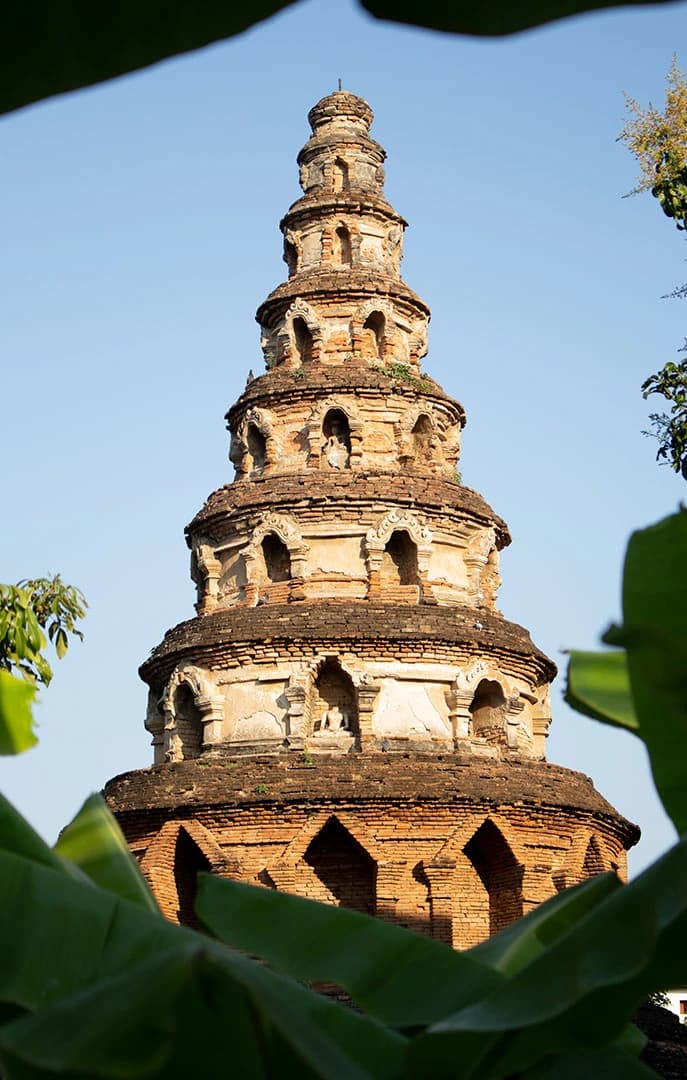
(451, 847)
(349, 716)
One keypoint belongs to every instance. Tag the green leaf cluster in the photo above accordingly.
(659, 142)
(28, 611)
(670, 428)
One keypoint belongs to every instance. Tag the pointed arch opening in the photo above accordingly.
(499, 873)
(342, 248)
(488, 711)
(334, 706)
(189, 726)
(375, 324)
(399, 560)
(343, 866)
(257, 447)
(336, 431)
(189, 861)
(277, 558)
(303, 340)
(340, 175)
(593, 859)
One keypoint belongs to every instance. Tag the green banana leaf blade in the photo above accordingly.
(375, 962)
(94, 842)
(654, 635)
(16, 719)
(93, 971)
(598, 685)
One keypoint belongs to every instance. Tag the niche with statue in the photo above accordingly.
(334, 707)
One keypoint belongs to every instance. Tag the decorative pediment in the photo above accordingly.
(397, 520)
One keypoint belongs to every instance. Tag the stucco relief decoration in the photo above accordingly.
(269, 344)
(240, 453)
(286, 344)
(364, 311)
(292, 240)
(394, 521)
(468, 678)
(204, 698)
(285, 528)
(337, 447)
(418, 342)
(205, 572)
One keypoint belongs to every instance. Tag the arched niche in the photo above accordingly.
(193, 713)
(375, 329)
(399, 560)
(256, 445)
(188, 722)
(302, 341)
(299, 335)
(342, 249)
(420, 438)
(343, 866)
(329, 448)
(291, 256)
(340, 175)
(189, 861)
(333, 702)
(399, 563)
(253, 443)
(499, 873)
(488, 711)
(276, 557)
(421, 433)
(336, 435)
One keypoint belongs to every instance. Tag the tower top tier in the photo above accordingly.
(344, 299)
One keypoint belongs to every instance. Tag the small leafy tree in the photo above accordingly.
(659, 142)
(28, 610)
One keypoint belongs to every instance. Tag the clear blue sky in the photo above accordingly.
(140, 235)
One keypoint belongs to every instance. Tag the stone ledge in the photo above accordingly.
(342, 625)
(406, 779)
(421, 493)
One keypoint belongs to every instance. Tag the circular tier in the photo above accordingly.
(303, 628)
(341, 490)
(456, 848)
(335, 287)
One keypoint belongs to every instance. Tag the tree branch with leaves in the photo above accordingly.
(28, 611)
(659, 142)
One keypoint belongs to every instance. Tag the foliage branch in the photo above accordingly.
(29, 608)
(658, 140)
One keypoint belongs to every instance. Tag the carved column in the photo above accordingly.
(458, 702)
(367, 695)
(355, 428)
(296, 696)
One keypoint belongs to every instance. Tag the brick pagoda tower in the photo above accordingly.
(349, 717)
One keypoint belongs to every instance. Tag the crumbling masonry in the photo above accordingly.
(349, 717)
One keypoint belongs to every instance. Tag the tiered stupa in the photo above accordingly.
(349, 717)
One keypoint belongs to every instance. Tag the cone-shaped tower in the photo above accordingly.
(349, 716)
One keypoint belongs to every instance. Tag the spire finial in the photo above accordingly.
(339, 84)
